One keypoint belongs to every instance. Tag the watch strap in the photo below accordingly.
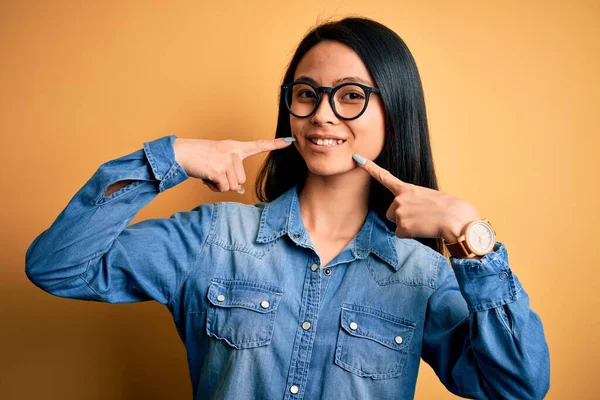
(458, 250)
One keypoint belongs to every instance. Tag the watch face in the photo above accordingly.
(481, 237)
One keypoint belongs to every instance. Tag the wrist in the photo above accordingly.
(450, 236)
(455, 225)
(454, 231)
(179, 146)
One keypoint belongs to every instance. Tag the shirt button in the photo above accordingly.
(314, 267)
(220, 297)
(306, 325)
(398, 339)
(294, 389)
(353, 326)
(264, 304)
(296, 235)
(327, 271)
(503, 275)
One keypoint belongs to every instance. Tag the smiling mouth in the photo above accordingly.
(326, 142)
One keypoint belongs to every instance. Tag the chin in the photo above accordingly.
(330, 169)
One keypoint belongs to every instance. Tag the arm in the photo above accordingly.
(481, 337)
(90, 253)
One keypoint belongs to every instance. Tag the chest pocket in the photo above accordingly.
(242, 313)
(372, 343)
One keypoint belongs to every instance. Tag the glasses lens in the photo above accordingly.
(350, 101)
(301, 99)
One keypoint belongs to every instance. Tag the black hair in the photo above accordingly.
(406, 152)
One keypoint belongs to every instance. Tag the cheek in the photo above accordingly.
(369, 143)
(369, 136)
(296, 125)
(293, 128)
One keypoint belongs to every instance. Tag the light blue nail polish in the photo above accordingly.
(289, 139)
(359, 159)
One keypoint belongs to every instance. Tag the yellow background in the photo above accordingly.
(512, 94)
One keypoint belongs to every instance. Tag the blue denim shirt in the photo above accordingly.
(261, 318)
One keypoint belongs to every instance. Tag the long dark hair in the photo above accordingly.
(406, 152)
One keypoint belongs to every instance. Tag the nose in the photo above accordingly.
(324, 113)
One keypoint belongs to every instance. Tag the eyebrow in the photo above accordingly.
(358, 79)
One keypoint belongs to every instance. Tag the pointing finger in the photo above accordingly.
(382, 175)
(251, 148)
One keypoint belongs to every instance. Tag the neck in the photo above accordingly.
(335, 206)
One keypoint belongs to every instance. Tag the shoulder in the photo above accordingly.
(232, 220)
(230, 210)
(419, 263)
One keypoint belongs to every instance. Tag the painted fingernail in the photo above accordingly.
(289, 139)
(359, 159)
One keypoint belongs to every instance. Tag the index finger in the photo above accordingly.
(384, 176)
(253, 147)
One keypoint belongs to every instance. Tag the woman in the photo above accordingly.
(335, 285)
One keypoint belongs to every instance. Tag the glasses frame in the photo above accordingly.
(331, 92)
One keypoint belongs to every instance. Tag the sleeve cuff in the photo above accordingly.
(488, 282)
(165, 168)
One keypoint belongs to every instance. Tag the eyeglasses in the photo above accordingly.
(348, 100)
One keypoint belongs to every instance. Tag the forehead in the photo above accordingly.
(329, 61)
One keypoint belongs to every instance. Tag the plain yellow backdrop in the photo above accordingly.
(512, 94)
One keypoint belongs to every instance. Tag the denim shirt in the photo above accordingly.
(261, 318)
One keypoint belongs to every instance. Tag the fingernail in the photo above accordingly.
(289, 139)
(359, 159)
(241, 190)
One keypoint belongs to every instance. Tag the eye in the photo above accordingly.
(353, 96)
(306, 94)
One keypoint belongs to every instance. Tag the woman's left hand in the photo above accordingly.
(423, 212)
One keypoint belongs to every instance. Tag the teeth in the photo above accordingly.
(327, 142)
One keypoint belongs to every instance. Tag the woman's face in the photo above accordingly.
(331, 63)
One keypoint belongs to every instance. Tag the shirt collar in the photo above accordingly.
(282, 216)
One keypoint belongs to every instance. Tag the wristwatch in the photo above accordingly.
(476, 239)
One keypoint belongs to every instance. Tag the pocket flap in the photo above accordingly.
(389, 330)
(261, 298)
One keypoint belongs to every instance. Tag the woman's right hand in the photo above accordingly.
(219, 162)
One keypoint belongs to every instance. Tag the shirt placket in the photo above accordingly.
(305, 333)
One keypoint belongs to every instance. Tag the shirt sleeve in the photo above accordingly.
(481, 337)
(90, 253)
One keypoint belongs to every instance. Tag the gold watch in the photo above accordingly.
(476, 239)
